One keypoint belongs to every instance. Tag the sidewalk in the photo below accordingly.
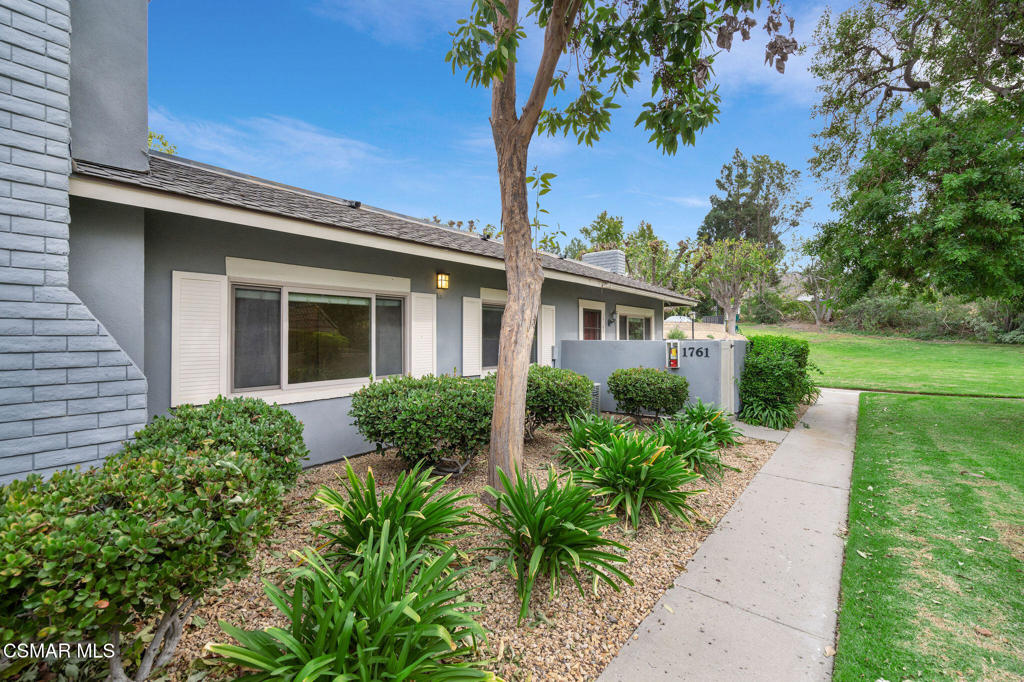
(758, 600)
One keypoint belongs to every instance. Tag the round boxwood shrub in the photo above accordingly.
(268, 432)
(552, 393)
(89, 555)
(645, 389)
(428, 418)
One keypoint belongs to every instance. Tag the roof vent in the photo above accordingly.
(612, 259)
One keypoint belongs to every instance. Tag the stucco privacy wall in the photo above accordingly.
(176, 242)
(68, 393)
(703, 370)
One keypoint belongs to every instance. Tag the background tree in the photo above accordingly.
(820, 277)
(881, 58)
(612, 47)
(758, 202)
(728, 270)
(939, 203)
(158, 142)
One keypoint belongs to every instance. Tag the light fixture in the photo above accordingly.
(442, 280)
(612, 319)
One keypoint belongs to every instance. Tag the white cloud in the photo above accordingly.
(689, 201)
(406, 22)
(271, 146)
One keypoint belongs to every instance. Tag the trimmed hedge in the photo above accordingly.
(552, 393)
(429, 418)
(88, 555)
(776, 378)
(269, 432)
(645, 389)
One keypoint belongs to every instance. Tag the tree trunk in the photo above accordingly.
(730, 319)
(524, 278)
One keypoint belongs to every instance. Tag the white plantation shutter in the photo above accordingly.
(472, 337)
(545, 334)
(423, 335)
(199, 337)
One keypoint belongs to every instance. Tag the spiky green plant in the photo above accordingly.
(690, 442)
(395, 614)
(763, 414)
(584, 431)
(635, 471)
(415, 508)
(552, 531)
(715, 420)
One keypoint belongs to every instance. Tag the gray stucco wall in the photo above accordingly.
(109, 70)
(598, 359)
(68, 393)
(175, 242)
(107, 269)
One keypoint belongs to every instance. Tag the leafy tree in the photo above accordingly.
(648, 257)
(159, 143)
(612, 47)
(575, 248)
(758, 202)
(821, 278)
(728, 270)
(881, 58)
(939, 203)
(605, 232)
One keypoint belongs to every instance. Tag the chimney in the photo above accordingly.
(613, 259)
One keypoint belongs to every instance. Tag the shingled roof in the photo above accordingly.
(200, 181)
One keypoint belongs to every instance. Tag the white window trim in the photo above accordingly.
(628, 311)
(255, 271)
(584, 304)
(499, 297)
(493, 296)
(288, 393)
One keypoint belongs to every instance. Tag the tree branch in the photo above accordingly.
(561, 20)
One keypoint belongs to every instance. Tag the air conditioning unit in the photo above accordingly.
(595, 399)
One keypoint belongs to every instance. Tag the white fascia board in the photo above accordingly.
(121, 193)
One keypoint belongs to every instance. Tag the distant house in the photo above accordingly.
(132, 282)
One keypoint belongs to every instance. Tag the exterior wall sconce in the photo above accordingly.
(613, 318)
(442, 280)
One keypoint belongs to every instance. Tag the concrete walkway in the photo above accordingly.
(758, 600)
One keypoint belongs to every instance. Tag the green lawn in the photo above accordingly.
(933, 584)
(899, 364)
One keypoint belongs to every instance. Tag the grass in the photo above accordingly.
(932, 583)
(901, 364)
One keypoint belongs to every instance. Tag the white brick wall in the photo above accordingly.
(68, 394)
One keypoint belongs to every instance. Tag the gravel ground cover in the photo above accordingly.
(570, 637)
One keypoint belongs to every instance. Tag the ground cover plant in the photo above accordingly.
(635, 472)
(416, 508)
(393, 614)
(585, 430)
(931, 587)
(692, 443)
(552, 531)
(715, 421)
(901, 364)
(639, 390)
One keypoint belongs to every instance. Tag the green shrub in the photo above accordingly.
(89, 555)
(393, 615)
(696, 446)
(428, 418)
(413, 508)
(715, 421)
(677, 334)
(763, 308)
(584, 431)
(776, 378)
(635, 471)
(552, 532)
(645, 389)
(552, 393)
(268, 432)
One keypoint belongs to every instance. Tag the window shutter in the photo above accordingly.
(546, 334)
(199, 337)
(423, 337)
(472, 337)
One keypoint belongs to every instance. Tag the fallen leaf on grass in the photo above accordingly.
(984, 632)
(863, 554)
(982, 537)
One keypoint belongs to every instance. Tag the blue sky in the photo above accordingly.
(354, 98)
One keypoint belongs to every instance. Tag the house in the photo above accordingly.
(132, 282)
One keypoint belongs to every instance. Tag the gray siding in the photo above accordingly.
(175, 242)
(68, 393)
(109, 70)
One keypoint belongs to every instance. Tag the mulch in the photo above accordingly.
(568, 637)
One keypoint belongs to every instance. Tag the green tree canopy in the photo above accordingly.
(758, 202)
(727, 271)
